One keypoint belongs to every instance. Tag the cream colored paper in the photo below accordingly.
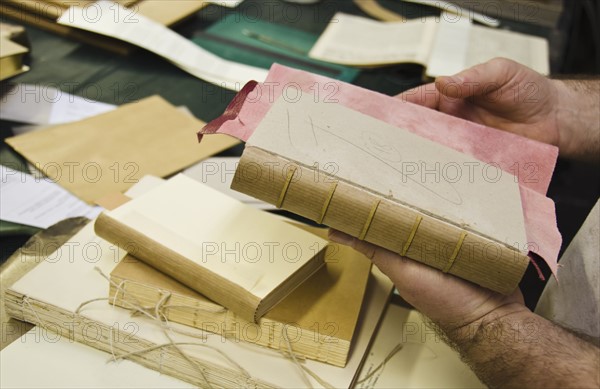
(109, 153)
(443, 45)
(239, 243)
(425, 360)
(486, 43)
(450, 46)
(62, 363)
(395, 163)
(73, 264)
(217, 172)
(116, 21)
(354, 40)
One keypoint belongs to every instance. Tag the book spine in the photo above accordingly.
(385, 222)
(215, 287)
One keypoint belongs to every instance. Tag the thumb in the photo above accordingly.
(478, 80)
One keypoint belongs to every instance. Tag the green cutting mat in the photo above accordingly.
(260, 44)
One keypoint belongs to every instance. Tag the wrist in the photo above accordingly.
(578, 118)
(494, 323)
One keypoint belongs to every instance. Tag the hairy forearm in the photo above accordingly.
(578, 119)
(517, 348)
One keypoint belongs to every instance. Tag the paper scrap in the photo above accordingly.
(217, 172)
(41, 203)
(43, 105)
(112, 19)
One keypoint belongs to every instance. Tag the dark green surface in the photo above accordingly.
(272, 43)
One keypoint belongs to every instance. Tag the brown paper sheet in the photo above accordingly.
(110, 152)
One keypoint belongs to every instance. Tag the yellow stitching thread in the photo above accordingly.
(459, 244)
(327, 202)
(286, 185)
(369, 220)
(412, 234)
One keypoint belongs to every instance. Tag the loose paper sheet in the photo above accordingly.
(531, 162)
(444, 45)
(423, 352)
(73, 264)
(116, 21)
(354, 40)
(217, 172)
(43, 105)
(108, 153)
(38, 202)
(487, 43)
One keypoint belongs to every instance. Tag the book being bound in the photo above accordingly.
(242, 258)
(318, 320)
(441, 193)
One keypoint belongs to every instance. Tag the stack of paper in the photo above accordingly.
(75, 308)
(242, 258)
(320, 316)
(62, 363)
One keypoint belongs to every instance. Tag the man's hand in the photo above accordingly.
(457, 306)
(506, 344)
(508, 96)
(501, 94)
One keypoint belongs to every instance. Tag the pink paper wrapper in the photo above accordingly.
(531, 162)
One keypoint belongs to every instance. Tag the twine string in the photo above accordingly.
(157, 314)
